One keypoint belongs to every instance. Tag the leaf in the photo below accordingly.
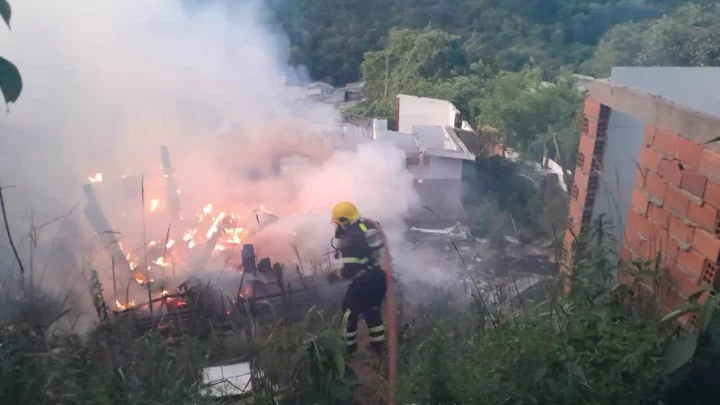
(5, 11)
(340, 364)
(350, 378)
(713, 332)
(340, 392)
(10, 80)
(679, 352)
(697, 294)
(707, 311)
(316, 352)
(539, 374)
(674, 315)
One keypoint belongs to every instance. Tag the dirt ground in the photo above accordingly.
(373, 388)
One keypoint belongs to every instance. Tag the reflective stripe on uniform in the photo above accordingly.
(376, 339)
(350, 334)
(363, 227)
(354, 260)
(351, 342)
(345, 320)
(376, 329)
(374, 239)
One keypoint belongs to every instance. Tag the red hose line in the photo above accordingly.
(391, 332)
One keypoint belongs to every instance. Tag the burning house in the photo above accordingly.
(209, 263)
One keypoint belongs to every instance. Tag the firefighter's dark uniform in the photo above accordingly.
(361, 248)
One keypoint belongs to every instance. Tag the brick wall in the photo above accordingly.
(674, 213)
(585, 184)
(675, 205)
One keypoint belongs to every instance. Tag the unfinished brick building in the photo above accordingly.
(649, 161)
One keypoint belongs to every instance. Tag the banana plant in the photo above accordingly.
(10, 80)
(682, 348)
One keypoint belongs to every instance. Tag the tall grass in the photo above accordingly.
(591, 340)
(588, 339)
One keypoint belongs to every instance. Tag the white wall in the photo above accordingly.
(694, 87)
(616, 181)
(424, 111)
(439, 168)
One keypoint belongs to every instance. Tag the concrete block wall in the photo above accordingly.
(675, 205)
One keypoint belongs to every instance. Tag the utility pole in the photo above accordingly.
(387, 64)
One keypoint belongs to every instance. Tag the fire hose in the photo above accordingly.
(391, 332)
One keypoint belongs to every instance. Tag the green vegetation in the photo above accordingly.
(331, 37)
(599, 343)
(504, 64)
(302, 363)
(10, 79)
(687, 37)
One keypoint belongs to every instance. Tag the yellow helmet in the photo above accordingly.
(345, 213)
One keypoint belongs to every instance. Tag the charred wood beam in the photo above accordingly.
(95, 215)
(173, 199)
(201, 262)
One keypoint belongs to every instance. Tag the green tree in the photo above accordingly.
(10, 79)
(688, 37)
(621, 46)
(531, 115)
(331, 37)
(426, 62)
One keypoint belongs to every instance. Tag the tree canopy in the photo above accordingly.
(505, 64)
(331, 37)
(689, 36)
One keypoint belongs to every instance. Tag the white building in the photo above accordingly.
(414, 110)
(435, 156)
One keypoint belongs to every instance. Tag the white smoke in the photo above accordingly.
(108, 82)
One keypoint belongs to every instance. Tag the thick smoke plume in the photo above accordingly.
(107, 83)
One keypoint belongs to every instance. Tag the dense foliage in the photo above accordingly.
(331, 37)
(504, 64)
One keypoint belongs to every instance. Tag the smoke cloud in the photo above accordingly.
(107, 83)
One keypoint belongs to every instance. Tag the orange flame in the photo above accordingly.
(189, 234)
(214, 226)
(127, 305)
(170, 243)
(154, 203)
(189, 237)
(97, 178)
(234, 235)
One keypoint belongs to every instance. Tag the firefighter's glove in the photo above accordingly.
(333, 276)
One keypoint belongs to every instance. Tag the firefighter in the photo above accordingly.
(361, 247)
